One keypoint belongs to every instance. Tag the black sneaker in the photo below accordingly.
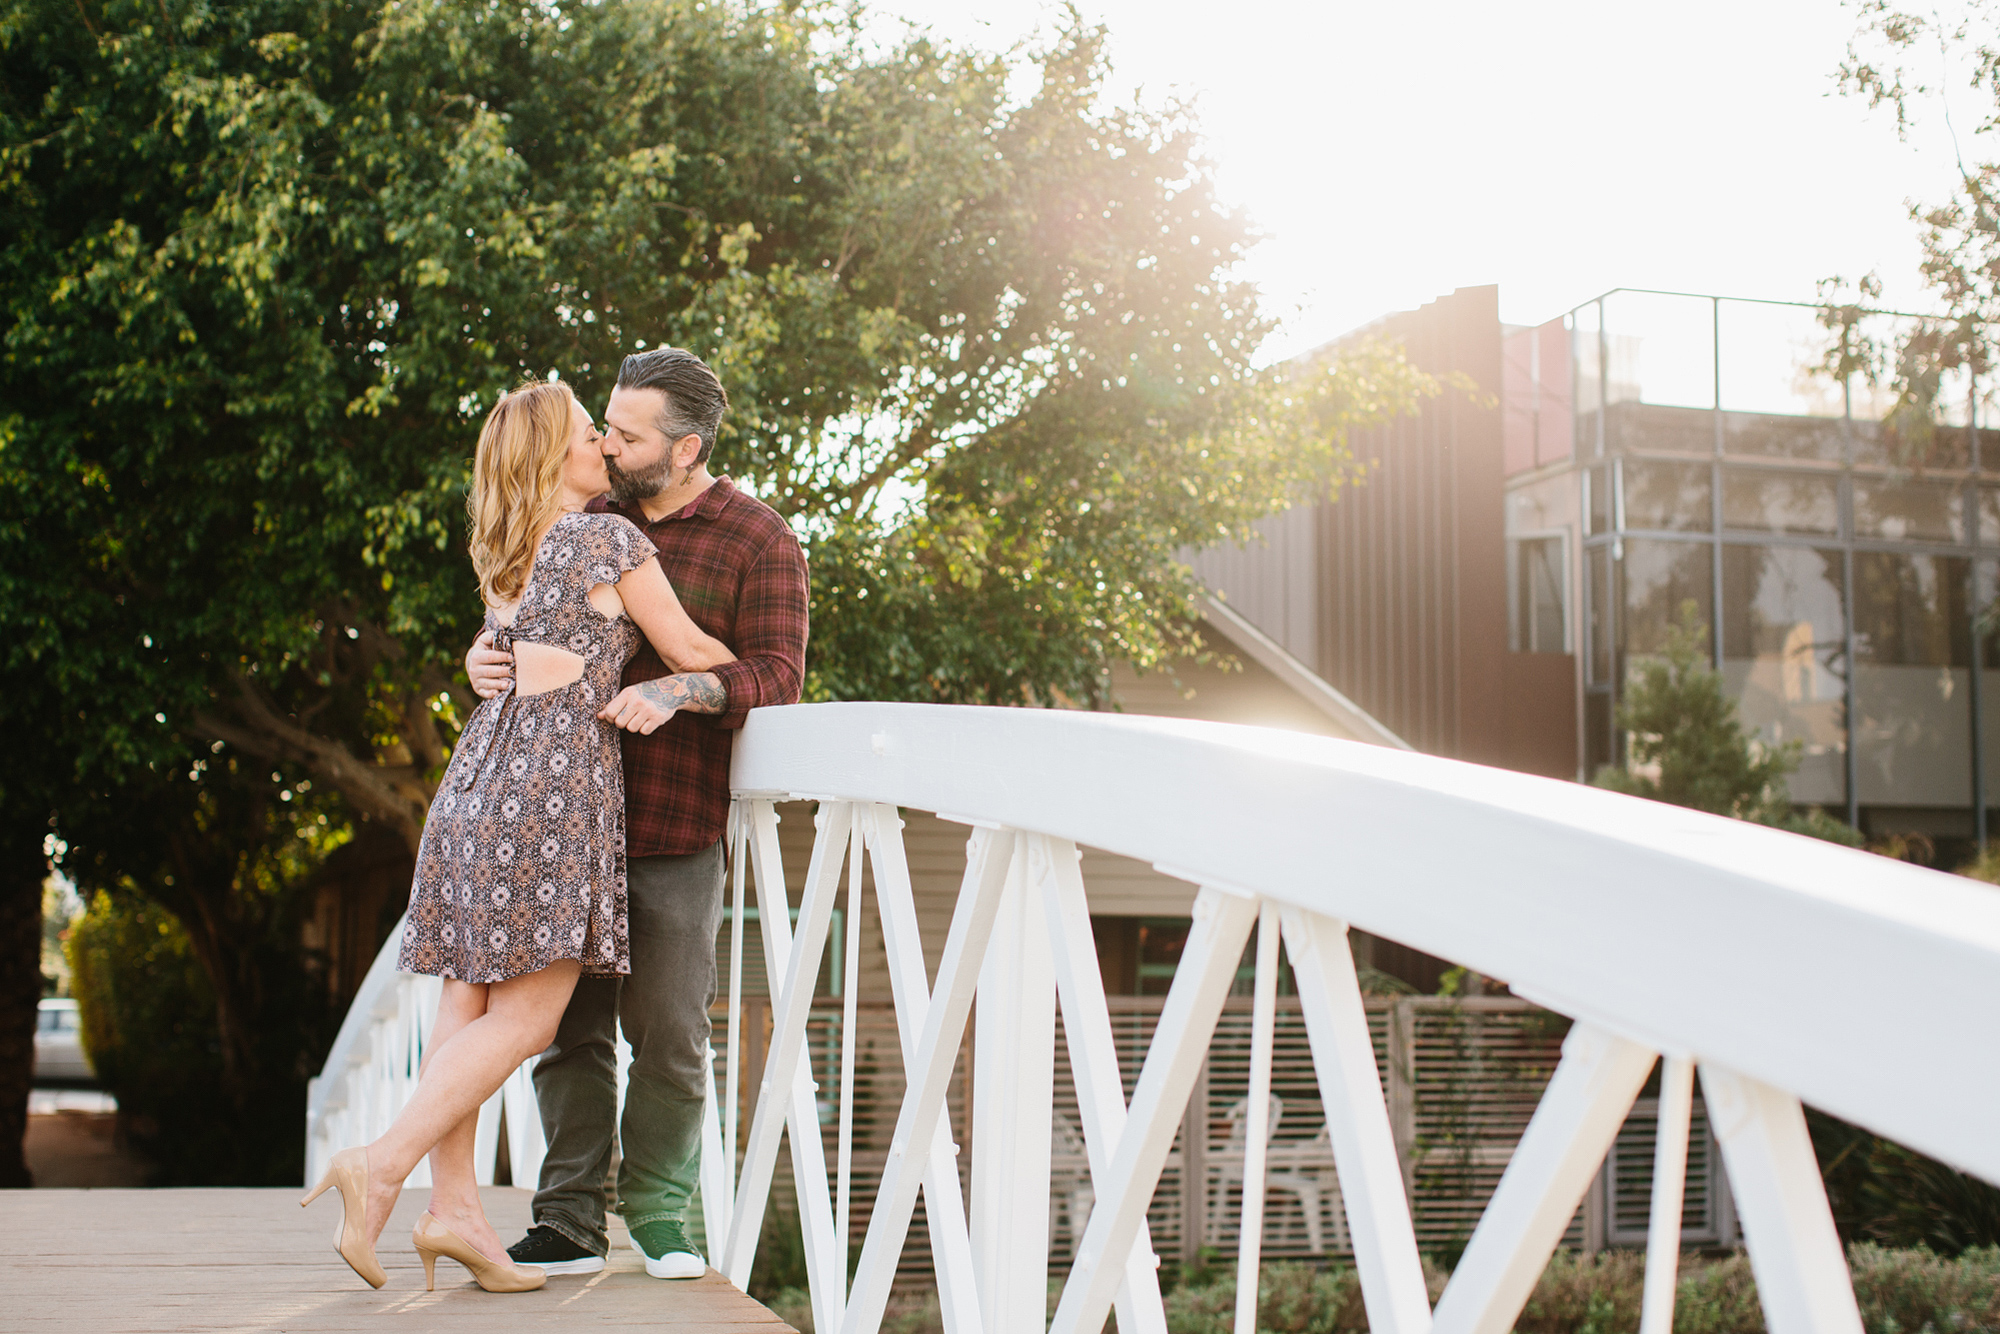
(668, 1252)
(550, 1251)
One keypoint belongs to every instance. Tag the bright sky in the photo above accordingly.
(1394, 151)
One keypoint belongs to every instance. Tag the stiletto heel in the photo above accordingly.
(432, 1239)
(430, 1269)
(348, 1172)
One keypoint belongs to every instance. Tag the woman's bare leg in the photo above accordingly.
(454, 1180)
(458, 1005)
(518, 1019)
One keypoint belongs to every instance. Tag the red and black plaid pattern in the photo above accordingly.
(741, 575)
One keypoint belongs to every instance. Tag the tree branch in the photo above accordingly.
(395, 795)
(920, 440)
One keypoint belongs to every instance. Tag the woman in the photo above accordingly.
(520, 883)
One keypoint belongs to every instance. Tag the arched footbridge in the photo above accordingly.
(1771, 969)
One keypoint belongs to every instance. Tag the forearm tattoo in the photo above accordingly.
(690, 692)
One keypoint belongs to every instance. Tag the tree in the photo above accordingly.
(269, 263)
(1906, 60)
(1687, 746)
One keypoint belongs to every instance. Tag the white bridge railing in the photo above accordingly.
(1775, 968)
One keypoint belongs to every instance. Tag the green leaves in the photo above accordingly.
(267, 270)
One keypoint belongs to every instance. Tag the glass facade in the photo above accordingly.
(1784, 658)
(1848, 580)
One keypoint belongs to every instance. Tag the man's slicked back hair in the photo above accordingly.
(695, 400)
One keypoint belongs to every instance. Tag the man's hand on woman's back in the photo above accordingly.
(488, 668)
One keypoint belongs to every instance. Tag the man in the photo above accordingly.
(741, 575)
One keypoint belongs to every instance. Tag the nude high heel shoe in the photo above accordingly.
(348, 1172)
(433, 1239)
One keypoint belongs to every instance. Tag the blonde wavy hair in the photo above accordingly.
(516, 485)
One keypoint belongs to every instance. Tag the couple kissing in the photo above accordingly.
(569, 880)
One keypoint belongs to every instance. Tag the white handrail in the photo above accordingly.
(1840, 976)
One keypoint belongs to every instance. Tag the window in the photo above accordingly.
(1660, 579)
(1781, 502)
(1909, 511)
(1772, 437)
(1539, 604)
(1670, 496)
(1784, 658)
(1912, 679)
(1597, 594)
(1597, 490)
(1160, 942)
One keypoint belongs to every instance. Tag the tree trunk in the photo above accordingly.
(231, 966)
(23, 867)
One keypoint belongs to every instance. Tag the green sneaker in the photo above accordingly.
(667, 1251)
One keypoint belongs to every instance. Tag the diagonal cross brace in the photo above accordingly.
(1594, 1086)
(1093, 1059)
(1357, 1121)
(944, 1202)
(786, 1096)
(991, 857)
(1222, 923)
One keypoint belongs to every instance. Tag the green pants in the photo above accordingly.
(675, 908)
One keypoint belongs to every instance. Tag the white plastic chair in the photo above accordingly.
(1070, 1193)
(1311, 1177)
(1305, 1188)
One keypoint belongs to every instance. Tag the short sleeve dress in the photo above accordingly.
(522, 861)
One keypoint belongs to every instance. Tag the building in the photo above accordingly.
(1515, 550)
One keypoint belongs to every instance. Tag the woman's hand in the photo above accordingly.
(639, 708)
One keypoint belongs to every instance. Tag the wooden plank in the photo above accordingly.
(141, 1261)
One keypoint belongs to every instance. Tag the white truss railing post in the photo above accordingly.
(1802, 1277)
(990, 857)
(785, 1097)
(739, 848)
(1013, 1089)
(1257, 1119)
(909, 987)
(1222, 922)
(1093, 1061)
(1357, 1121)
(850, 1013)
(1670, 1159)
(717, 1191)
(1595, 1084)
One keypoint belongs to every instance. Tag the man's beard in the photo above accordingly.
(627, 487)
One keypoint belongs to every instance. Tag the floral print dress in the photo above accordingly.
(523, 855)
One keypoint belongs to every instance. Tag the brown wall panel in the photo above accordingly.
(1537, 729)
(1414, 627)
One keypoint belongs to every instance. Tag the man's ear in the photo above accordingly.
(686, 450)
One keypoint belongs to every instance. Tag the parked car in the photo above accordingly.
(59, 1058)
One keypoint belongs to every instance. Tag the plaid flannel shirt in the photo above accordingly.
(740, 573)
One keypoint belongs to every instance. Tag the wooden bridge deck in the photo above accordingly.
(139, 1261)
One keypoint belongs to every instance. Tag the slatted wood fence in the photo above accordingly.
(1462, 1075)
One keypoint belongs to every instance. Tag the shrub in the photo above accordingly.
(1577, 1292)
(1717, 1297)
(1899, 1291)
(1905, 1291)
(779, 1266)
(1885, 1193)
(149, 1025)
(907, 1313)
(148, 1022)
